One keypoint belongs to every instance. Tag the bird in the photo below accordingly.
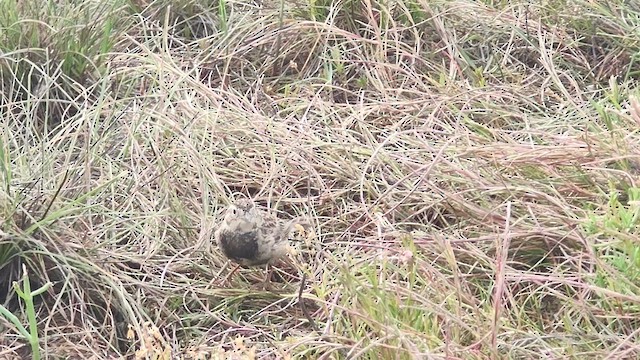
(252, 237)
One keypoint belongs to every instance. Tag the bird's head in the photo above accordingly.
(242, 215)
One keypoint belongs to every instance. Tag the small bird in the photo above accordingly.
(251, 237)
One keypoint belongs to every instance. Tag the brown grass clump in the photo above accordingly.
(471, 171)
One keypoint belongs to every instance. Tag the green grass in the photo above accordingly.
(470, 170)
(26, 295)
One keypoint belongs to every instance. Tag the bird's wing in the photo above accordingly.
(269, 220)
(269, 228)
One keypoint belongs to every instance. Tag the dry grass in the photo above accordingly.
(471, 171)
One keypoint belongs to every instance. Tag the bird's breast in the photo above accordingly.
(242, 247)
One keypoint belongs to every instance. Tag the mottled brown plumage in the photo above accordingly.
(252, 237)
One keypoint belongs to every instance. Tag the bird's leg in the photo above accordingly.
(226, 278)
(267, 280)
(266, 283)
